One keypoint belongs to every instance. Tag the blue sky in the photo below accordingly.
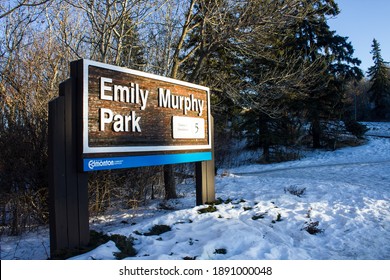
(362, 21)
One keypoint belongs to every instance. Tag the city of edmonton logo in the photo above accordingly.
(100, 163)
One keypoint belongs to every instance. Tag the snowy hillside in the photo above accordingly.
(328, 205)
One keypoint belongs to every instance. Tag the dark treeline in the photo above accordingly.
(279, 78)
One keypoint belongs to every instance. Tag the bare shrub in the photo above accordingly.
(23, 211)
(124, 189)
(312, 227)
(294, 190)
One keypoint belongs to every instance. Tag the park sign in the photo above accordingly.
(132, 118)
(109, 117)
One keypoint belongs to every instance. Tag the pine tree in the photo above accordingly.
(325, 62)
(314, 36)
(380, 79)
(130, 54)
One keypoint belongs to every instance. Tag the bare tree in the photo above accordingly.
(113, 24)
(8, 7)
(70, 27)
(29, 76)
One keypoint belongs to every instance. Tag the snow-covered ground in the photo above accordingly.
(346, 197)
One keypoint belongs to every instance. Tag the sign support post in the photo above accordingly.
(68, 188)
(205, 175)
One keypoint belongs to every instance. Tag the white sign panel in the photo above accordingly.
(188, 128)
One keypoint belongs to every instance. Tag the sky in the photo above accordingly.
(362, 21)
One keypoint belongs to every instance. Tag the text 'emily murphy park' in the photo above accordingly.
(136, 95)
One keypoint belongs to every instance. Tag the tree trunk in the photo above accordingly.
(264, 137)
(169, 176)
(316, 132)
(169, 182)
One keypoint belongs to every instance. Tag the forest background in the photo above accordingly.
(281, 80)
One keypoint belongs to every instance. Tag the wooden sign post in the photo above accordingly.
(109, 117)
(68, 186)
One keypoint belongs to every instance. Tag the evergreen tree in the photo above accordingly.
(324, 62)
(131, 53)
(380, 88)
(325, 98)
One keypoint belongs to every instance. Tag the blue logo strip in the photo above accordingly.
(94, 164)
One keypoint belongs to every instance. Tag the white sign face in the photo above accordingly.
(187, 128)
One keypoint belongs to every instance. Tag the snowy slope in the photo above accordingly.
(346, 196)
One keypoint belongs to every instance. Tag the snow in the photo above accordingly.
(346, 192)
